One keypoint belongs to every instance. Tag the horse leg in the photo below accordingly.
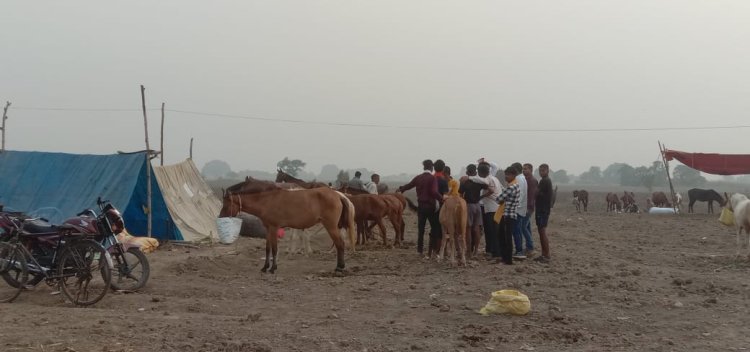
(381, 227)
(710, 207)
(338, 242)
(268, 251)
(690, 205)
(306, 241)
(274, 249)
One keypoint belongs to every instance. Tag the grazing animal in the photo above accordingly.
(298, 209)
(704, 195)
(453, 219)
(629, 204)
(613, 202)
(582, 199)
(659, 199)
(740, 206)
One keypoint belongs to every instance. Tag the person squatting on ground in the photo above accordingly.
(507, 214)
(472, 192)
(519, 233)
(543, 210)
(428, 201)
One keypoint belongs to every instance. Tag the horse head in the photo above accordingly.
(228, 207)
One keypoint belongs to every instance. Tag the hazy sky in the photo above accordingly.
(468, 64)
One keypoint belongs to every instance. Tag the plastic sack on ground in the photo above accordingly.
(657, 210)
(145, 244)
(726, 217)
(507, 301)
(229, 229)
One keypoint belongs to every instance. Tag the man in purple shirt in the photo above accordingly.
(428, 200)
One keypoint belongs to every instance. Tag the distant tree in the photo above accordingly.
(560, 176)
(627, 176)
(342, 178)
(291, 167)
(594, 175)
(687, 176)
(215, 169)
(328, 172)
(612, 173)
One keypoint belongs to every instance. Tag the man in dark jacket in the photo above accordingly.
(428, 200)
(543, 210)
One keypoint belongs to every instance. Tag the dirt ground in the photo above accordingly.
(617, 282)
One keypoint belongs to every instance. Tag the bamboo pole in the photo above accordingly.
(662, 149)
(148, 159)
(161, 147)
(191, 148)
(5, 117)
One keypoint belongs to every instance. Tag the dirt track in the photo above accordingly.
(617, 282)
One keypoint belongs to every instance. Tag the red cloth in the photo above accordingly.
(717, 164)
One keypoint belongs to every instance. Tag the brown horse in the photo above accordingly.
(453, 219)
(581, 198)
(282, 176)
(660, 200)
(369, 207)
(299, 209)
(613, 202)
(396, 207)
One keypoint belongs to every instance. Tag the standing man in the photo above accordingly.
(372, 186)
(472, 192)
(489, 206)
(543, 210)
(356, 182)
(511, 196)
(522, 218)
(531, 184)
(442, 179)
(428, 200)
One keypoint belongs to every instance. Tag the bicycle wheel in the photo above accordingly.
(131, 270)
(84, 272)
(14, 270)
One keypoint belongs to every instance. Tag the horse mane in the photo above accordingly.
(252, 185)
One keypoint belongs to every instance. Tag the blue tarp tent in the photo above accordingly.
(57, 186)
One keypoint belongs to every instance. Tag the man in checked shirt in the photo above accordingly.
(511, 196)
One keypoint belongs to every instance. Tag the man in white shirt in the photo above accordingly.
(518, 234)
(372, 186)
(489, 206)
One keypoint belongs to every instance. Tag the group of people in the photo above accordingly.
(502, 210)
(372, 187)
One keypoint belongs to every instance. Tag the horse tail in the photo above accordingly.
(346, 220)
(412, 206)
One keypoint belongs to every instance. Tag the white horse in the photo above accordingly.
(678, 201)
(740, 206)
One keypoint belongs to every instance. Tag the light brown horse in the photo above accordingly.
(395, 214)
(453, 219)
(297, 209)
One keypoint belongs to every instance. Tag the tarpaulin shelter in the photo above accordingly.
(192, 204)
(59, 185)
(712, 163)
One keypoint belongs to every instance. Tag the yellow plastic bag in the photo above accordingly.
(726, 217)
(507, 301)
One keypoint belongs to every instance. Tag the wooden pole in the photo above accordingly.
(191, 148)
(148, 159)
(161, 157)
(662, 149)
(5, 117)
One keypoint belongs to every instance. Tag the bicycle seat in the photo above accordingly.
(39, 226)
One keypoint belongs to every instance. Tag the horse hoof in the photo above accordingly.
(264, 269)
